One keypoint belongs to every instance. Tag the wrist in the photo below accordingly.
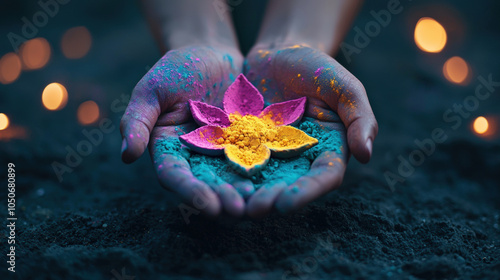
(319, 24)
(180, 23)
(288, 37)
(175, 38)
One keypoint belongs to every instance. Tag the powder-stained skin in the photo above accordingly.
(283, 71)
(287, 170)
(159, 111)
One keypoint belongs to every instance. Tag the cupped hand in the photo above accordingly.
(158, 113)
(336, 100)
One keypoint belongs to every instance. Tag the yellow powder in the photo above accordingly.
(245, 138)
(247, 156)
(288, 137)
(247, 131)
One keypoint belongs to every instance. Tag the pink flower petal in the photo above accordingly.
(242, 97)
(203, 140)
(205, 114)
(286, 113)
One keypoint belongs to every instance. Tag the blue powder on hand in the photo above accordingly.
(173, 146)
(327, 140)
(287, 170)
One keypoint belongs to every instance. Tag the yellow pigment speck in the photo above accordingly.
(296, 46)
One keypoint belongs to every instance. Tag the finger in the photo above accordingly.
(174, 172)
(178, 113)
(346, 95)
(261, 203)
(321, 77)
(326, 174)
(231, 200)
(137, 123)
(175, 175)
(356, 113)
(244, 186)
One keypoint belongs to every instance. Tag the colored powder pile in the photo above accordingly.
(245, 137)
(250, 131)
(216, 169)
(247, 133)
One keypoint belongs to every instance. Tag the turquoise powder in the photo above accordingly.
(287, 170)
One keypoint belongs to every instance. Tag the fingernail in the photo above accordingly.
(369, 146)
(124, 145)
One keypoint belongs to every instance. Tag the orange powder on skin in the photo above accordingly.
(347, 102)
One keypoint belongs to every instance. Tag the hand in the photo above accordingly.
(336, 100)
(158, 110)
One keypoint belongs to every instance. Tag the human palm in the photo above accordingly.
(158, 113)
(336, 101)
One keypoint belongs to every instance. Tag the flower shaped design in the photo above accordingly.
(246, 132)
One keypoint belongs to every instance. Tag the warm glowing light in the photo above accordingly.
(10, 68)
(76, 42)
(13, 132)
(35, 53)
(54, 96)
(481, 125)
(4, 121)
(88, 112)
(430, 35)
(456, 70)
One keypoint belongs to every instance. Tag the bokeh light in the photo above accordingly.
(481, 125)
(54, 96)
(4, 121)
(430, 35)
(456, 70)
(88, 112)
(76, 42)
(35, 53)
(10, 68)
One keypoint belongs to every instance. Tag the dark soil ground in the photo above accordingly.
(108, 220)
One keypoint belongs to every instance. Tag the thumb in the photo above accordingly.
(137, 123)
(356, 113)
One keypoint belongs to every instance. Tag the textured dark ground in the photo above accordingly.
(106, 218)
